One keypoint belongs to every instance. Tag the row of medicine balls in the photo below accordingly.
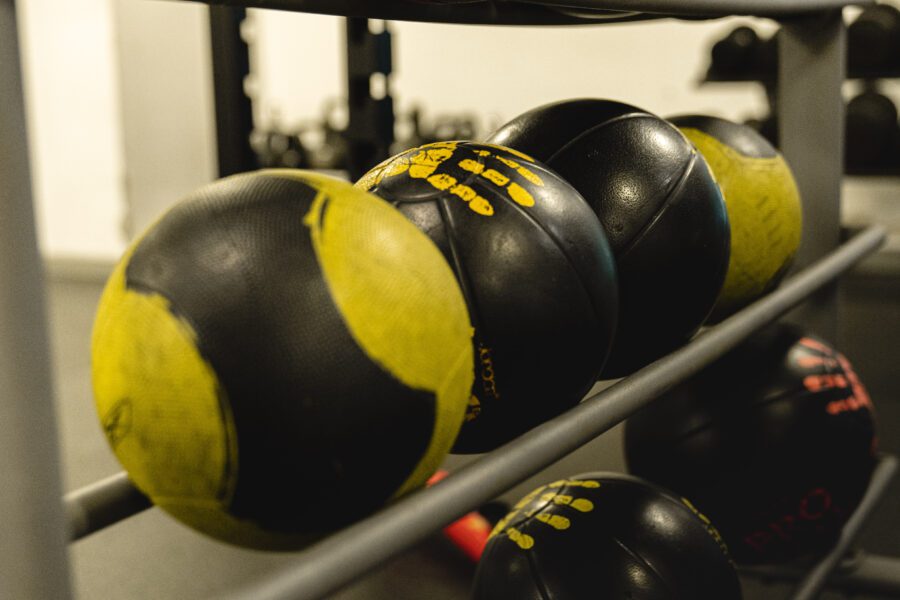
(281, 345)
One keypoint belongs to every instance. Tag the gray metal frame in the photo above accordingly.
(857, 574)
(102, 504)
(811, 132)
(817, 577)
(33, 559)
(546, 12)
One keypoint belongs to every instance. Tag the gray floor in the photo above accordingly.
(151, 556)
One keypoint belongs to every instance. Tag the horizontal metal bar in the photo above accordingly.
(101, 504)
(860, 574)
(347, 555)
(546, 12)
(761, 8)
(479, 13)
(815, 580)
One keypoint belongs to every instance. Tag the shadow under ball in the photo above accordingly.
(534, 266)
(775, 442)
(661, 209)
(605, 535)
(255, 367)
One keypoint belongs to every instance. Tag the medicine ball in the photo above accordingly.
(279, 355)
(535, 269)
(735, 55)
(763, 206)
(775, 442)
(659, 204)
(873, 42)
(871, 131)
(605, 535)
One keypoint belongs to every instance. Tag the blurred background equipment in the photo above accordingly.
(872, 135)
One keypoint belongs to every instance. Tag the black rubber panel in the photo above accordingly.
(623, 538)
(539, 280)
(661, 209)
(236, 261)
(774, 442)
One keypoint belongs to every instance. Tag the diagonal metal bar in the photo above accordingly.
(816, 579)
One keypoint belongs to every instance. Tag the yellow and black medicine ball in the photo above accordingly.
(661, 209)
(535, 268)
(763, 206)
(279, 355)
(605, 535)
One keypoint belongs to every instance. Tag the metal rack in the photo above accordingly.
(33, 529)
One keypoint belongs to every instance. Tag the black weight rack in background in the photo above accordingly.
(35, 525)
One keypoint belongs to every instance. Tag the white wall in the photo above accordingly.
(168, 121)
(74, 128)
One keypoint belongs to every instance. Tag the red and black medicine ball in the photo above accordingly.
(661, 208)
(775, 442)
(534, 266)
(605, 535)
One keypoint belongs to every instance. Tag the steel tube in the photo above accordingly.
(815, 579)
(865, 574)
(812, 55)
(347, 555)
(101, 504)
(33, 560)
(546, 12)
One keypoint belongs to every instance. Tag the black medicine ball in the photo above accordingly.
(535, 269)
(659, 204)
(775, 442)
(605, 535)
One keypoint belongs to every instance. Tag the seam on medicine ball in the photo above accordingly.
(664, 206)
(578, 274)
(642, 561)
(536, 574)
(593, 129)
(462, 274)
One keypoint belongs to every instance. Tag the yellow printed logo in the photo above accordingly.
(488, 381)
(473, 409)
(430, 163)
(708, 524)
(540, 499)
